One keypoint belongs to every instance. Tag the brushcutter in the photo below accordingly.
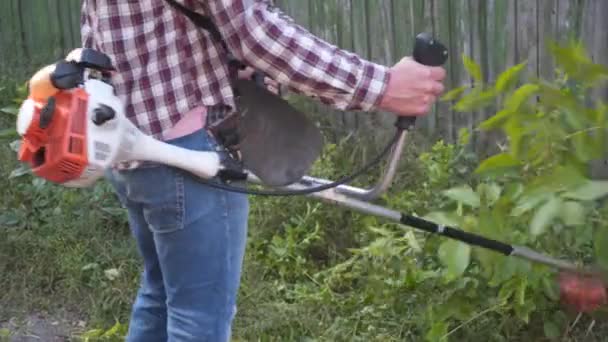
(74, 128)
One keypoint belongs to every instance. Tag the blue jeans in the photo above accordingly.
(192, 240)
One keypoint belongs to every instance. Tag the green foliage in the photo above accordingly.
(5, 335)
(314, 272)
(116, 333)
(542, 194)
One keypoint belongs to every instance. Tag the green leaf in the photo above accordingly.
(90, 266)
(521, 291)
(584, 148)
(15, 145)
(10, 110)
(600, 242)
(8, 133)
(437, 332)
(514, 102)
(497, 162)
(473, 68)
(515, 132)
(523, 311)
(575, 62)
(550, 288)
(456, 256)
(559, 179)
(475, 100)
(463, 194)
(589, 191)
(490, 192)
(572, 213)
(545, 215)
(551, 330)
(446, 219)
(8, 219)
(20, 171)
(413, 242)
(453, 94)
(496, 121)
(508, 78)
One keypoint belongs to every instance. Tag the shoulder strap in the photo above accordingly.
(199, 20)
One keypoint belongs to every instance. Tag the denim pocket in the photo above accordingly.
(160, 192)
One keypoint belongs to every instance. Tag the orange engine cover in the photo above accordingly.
(58, 152)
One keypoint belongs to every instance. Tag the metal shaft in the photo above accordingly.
(339, 196)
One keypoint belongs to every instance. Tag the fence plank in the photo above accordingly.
(495, 33)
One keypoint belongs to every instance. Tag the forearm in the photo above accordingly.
(269, 41)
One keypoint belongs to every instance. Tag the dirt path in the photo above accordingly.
(40, 327)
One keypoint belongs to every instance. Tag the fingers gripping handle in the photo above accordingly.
(427, 51)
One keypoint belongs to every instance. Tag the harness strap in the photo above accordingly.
(222, 123)
(200, 20)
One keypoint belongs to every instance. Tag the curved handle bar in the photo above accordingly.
(427, 51)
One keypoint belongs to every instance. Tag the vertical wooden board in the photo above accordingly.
(428, 24)
(384, 31)
(379, 51)
(527, 35)
(359, 25)
(65, 25)
(495, 47)
(74, 10)
(567, 23)
(498, 37)
(345, 41)
(592, 34)
(478, 53)
(4, 36)
(17, 30)
(298, 10)
(13, 35)
(547, 24)
(462, 21)
(57, 21)
(360, 28)
(402, 29)
(420, 20)
(595, 38)
(443, 28)
(576, 18)
(315, 16)
(36, 19)
(328, 30)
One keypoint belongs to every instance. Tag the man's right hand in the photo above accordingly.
(413, 88)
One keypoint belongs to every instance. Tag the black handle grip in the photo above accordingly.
(427, 51)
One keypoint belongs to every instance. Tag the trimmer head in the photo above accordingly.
(582, 292)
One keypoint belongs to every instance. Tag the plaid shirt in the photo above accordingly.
(167, 66)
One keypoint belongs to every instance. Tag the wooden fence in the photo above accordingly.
(495, 33)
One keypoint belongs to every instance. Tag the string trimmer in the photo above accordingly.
(73, 129)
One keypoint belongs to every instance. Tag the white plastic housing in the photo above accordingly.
(25, 116)
(119, 140)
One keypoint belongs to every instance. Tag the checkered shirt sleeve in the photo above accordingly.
(263, 37)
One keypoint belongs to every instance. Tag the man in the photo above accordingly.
(169, 72)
